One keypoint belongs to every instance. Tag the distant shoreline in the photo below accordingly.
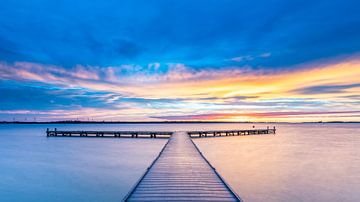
(153, 122)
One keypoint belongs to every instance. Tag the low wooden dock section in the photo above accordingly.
(156, 134)
(117, 134)
(181, 173)
(220, 133)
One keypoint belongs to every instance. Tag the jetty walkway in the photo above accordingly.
(156, 134)
(181, 173)
(119, 134)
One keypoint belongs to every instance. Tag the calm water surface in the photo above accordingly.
(303, 162)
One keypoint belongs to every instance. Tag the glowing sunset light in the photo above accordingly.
(190, 69)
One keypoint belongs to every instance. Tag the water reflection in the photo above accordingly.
(303, 162)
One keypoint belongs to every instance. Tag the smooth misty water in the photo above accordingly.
(303, 162)
(36, 168)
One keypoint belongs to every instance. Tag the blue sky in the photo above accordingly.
(81, 56)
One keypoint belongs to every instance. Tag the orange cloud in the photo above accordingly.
(226, 86)
(183, 82)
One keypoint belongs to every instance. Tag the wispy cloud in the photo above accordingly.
(182, 81)
(242, 58)
(329, 89)
(180, 89)
(254, 116)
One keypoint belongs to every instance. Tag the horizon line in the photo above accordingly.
(160, 122)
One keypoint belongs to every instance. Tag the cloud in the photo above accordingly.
(92, 114)
(180, 81)
(17, 96)
(328, 89)
(179, 89)
(265, 55)
(235, 116)
(248, 58)
(242, 58)
(155, 31)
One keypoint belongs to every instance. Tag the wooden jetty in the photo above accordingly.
(118, 134)
(220, 133)
(181, 173)
(156, 134)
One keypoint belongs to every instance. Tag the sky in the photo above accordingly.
(162, 60)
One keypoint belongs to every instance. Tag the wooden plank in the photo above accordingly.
(181, 173)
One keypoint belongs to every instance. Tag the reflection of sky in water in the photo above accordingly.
(36, 168)
(303, 162)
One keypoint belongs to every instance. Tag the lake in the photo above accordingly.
(302, 162)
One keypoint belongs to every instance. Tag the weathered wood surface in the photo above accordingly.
(181, 173)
